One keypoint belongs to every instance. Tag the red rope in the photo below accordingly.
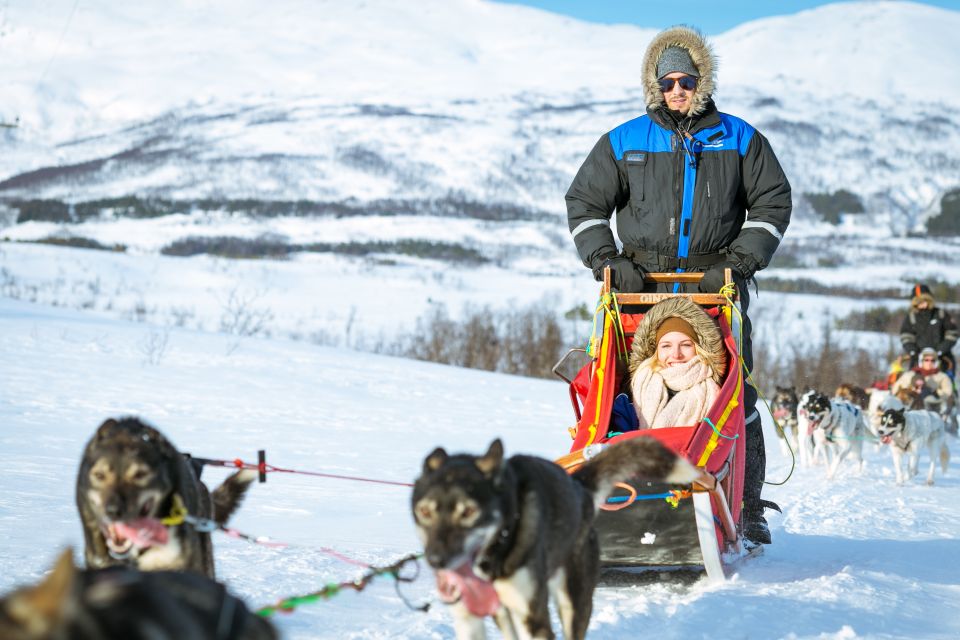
(269, 468)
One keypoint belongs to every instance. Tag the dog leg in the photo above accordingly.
(897, 462)
(505, 623)
(837, 459)
(561, 597)
(573, 594)
(784, 448)
(913, 461)
(807, 451)
(466, 625)
(933, 465)
(944, 457)
(526, 599)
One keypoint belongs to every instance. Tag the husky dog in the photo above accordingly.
(880, 401)
(909, 398)
(853, 394)
(130, 478)
(838, 428)
(809, 453)
(906, 432)
(121, 602)
(784, 407)
(505, 535)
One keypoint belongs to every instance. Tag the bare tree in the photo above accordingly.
(154, 346)
(242, 317)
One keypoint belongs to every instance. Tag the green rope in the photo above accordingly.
(793, 457)
(331, 589)
(717, 431)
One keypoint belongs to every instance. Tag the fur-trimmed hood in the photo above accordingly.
(923, 297)
(703, 58)
(708, 335)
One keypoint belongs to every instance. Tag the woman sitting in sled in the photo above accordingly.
(677, 363)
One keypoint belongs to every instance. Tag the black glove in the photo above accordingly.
(713, 278)
(625, 276)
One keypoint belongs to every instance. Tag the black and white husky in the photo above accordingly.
(809, 455)
(505, 535)
(880, 401)
(907, 432)
(839, 429)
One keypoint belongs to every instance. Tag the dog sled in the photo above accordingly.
(652, 526)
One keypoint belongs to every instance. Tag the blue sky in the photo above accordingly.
(710, 16)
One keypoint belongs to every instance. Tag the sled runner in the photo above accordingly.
(650, 525)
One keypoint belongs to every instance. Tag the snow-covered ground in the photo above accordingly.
(363, 303)
(858, 557)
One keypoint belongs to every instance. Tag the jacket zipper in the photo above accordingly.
(678, 184)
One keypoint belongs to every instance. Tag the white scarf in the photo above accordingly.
(695, 393)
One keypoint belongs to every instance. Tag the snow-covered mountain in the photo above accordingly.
(384, 106)
(418, 153)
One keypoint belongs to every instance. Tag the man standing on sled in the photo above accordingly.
(694, 190)
(928, 326)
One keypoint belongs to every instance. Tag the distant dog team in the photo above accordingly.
(838, 429)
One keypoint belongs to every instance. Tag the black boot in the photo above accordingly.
(754, 525)
(755, 529)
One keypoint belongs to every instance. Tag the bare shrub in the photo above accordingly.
(879, 319)
(139, 311)
(181, 315)
(479, 341)
(525, 342)
(154, 346)
(436, 338)
(241, 317)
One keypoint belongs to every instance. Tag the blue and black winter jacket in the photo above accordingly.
(684, 197)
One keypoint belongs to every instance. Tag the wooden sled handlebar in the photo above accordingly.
(703, 299)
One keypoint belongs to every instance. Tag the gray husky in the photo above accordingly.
(131, 478)
(909, 431)
(121, 602)
(505, 535)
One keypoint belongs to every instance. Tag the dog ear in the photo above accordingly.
(103, 429)
(492, 459)
(435, 460)
(42, 608)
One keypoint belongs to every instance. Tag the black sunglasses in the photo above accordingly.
(687, 83)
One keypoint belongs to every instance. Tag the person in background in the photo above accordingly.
(694, 189)
(933, 387)
(927, 325)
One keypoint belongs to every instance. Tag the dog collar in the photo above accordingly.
(178, 512)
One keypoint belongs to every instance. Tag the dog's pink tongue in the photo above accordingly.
(143, 532)
(478, 595)
(780, 414)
